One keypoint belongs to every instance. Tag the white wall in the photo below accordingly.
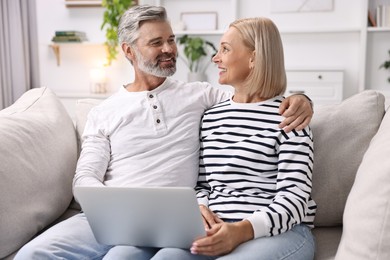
(327, 49)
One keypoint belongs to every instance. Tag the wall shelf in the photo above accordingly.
(56, 47)
(378, 29)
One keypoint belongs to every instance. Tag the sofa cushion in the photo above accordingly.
(38, 150)
(366, 231)
(342, 134)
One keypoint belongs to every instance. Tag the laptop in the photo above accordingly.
(150, 217)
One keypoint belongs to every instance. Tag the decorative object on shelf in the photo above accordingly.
(196, 50)
(69, 36)
(383, 15)
(98, 81)
(371, 20)
(111, 16)
(386, 66)
(199, 20)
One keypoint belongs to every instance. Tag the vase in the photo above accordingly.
(196, 76)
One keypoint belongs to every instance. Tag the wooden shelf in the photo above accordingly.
(84, 3)
(56, 47)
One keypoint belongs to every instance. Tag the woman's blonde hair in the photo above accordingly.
(267, 79)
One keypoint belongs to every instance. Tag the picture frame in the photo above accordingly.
(297, 6)
(196, 21)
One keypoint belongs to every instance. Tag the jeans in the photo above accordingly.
(73, 239)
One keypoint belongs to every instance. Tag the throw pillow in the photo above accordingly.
(366, 230)
(38, 159)
(342, 134)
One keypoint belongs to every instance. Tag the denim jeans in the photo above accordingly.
(73, 239)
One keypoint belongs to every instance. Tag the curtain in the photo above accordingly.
(19, 66)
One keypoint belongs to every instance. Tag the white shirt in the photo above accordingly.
(148, 138)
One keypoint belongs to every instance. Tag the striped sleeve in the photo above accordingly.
(292, 202)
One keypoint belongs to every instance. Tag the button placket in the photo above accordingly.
(157, 113)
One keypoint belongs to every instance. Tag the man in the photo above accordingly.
(147, 134)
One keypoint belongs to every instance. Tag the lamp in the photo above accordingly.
(98, 81)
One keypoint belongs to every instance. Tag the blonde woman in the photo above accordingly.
(255, 179)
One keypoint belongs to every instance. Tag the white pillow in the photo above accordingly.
(38, 151)
(366, 230)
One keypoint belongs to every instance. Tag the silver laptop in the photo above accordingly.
(152, 217)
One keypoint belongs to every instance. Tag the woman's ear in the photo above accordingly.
(252, 60)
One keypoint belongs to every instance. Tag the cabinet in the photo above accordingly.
(324, 87)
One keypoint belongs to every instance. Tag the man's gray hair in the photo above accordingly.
(131, 20)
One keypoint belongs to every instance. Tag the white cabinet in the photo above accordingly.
(324, 87)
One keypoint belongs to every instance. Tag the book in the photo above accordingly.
(68, 39)
(379, 10)
(383, 15)
(70, 33)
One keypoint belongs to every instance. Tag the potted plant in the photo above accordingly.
(111, 16)
(196, 50)
(386, 65)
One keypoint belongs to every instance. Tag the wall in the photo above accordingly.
(311, 40)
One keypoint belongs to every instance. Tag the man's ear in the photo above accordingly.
(128, 51)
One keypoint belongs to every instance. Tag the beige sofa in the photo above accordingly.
(351, 178)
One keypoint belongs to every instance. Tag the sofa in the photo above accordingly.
(39, 146)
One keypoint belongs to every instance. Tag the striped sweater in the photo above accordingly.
(251, 169)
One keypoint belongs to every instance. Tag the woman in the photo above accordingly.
(255, 179)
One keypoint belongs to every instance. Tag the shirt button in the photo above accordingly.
(158, 121)
(155, 107)
(151, 96)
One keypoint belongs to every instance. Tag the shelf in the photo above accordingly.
(216, 32)
(56, 47)
(378, 29)
(321, 30)
(85, 3)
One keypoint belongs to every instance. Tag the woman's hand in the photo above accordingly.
(223, 238)
(209, 217)
(297, 110)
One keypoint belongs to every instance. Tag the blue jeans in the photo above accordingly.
(73, 239)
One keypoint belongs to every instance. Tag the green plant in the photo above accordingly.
(195, 49)
(386, 65)
(111, 16)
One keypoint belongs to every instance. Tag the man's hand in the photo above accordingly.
(223, 238)
(297, 110)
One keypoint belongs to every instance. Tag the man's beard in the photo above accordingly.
(153, 68)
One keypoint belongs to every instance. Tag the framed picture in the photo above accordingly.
(296, 6)
(199, 20)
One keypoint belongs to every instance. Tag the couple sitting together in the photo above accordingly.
(252, 169)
